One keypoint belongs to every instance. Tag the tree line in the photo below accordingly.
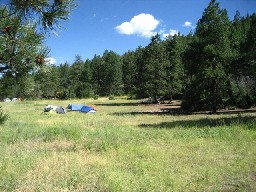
(212, 68)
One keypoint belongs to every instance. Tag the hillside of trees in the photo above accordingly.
(210, 69)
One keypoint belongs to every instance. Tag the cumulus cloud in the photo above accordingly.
(171, 33)
(141, 25)
(50, 61)
(188, 24)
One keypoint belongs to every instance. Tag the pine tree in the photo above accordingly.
(47, 13)
(152, 73)
(243, 80)
(47, 82)
(113, 73)
(64, 84)
(75, 76)
(22, 47)
(139, 75)
(209, 79)
(22, 30)
(97, 75)
(176, 74)
(129, 71)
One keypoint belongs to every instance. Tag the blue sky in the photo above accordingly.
(122, 25)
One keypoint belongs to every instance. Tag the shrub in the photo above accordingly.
(96, 97)
(111, 97)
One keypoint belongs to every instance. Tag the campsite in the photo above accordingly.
(127, 96)
(125, 146)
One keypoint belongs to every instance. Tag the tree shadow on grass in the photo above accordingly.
(178, 111)
(160, 111)
(248, 121)
(117, 104)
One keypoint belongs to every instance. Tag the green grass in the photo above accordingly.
(121, 148)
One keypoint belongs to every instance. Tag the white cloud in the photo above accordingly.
(171, 33)
(141, 25)
(188, 24)
(50, 61)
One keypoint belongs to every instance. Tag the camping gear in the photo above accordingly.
(56, 109)
(92, 111)
(61, 110)
(82, 108)
(86, 109)
(7, 100)
(48, 108)
(75, 107)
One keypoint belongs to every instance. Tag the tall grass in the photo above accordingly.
(120, 148)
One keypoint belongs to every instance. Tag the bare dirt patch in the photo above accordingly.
(171, 107)
(174, 107)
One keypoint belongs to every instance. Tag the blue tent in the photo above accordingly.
(75, 107)
(86, 109)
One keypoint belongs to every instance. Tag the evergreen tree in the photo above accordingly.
(249, 48)
(75, 76)
(175, 70)
(21, 46)
(113, 73)
(242, 81)
(8, 86)
(86, 80)
(86, 75)
(47, 13)
(209, 81)
(152, 72)
(239, 32)
(21, 37)
(129, 71)
(65, 83)
(250, 62)
(97, 74)
(47, 82)
(140, 76)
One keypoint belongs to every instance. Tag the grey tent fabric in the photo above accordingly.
(57, 109)
(61, 110)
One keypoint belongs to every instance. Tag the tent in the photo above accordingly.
(61, 110)
(82, 108)
(53, 108)
(75, 107)
(88, 109)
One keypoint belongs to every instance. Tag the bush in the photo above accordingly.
(3, 116)
(96, 97)
(111, 97)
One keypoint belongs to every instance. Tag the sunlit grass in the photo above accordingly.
(120, 148)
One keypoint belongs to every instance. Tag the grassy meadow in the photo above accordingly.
(124, 147)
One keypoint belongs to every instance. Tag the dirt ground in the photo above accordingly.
(175, 107)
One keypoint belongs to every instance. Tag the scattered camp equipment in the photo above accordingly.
(71, 107)
(7, 100)
(61, 110)
(48, 108)
(75, 107)
(87, 109)
(82, 108)
(53, 108)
